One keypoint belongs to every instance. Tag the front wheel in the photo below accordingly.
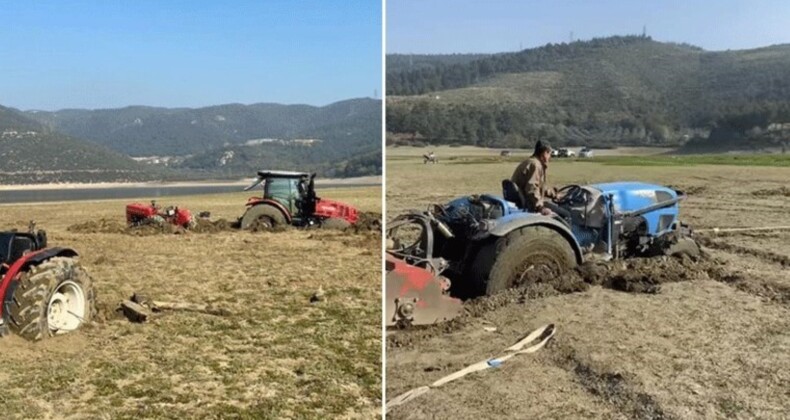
(51, 298)
(530, 254)
(335, 223)
(683, 246)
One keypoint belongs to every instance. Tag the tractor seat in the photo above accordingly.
(13, 246)
(511, 193)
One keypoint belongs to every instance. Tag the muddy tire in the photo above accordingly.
(51, 298)
(530, 253)
(335, 223)
(684, 246)
(263, 216)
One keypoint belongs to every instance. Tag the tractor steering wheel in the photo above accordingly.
(575, 193)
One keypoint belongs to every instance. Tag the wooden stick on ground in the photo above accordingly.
(158, 305)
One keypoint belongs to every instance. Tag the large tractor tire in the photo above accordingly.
(532, 253)
(335, 223)
(684, 246)
(263, 216)
(51, 298)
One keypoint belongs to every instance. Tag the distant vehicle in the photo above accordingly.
(586, 153)
(555, 153)
(430, 157)
(505, 153)
(566, 153)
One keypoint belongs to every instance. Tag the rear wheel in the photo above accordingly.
(335, 223)
(262, 216)
(527, 255)
(51, 298)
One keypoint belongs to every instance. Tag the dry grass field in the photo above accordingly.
(714, 342)
(276, 356)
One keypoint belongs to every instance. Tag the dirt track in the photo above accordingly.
(659, 339)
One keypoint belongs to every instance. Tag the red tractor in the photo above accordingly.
(138, 214)
(45, 292)
(289, 199)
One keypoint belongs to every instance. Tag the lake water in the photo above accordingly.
(147, 192)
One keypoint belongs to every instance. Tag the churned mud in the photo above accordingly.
(368, 223)
(638, 275)
(783, 260)
(781, 191)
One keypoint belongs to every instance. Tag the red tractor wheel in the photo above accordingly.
(51, 298)
(262, 216)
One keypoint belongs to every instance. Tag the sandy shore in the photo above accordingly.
(241, 182)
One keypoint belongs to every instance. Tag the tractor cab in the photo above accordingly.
(14, 245)
(295, 191)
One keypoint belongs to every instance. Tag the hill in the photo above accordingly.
(146, 131)
(613, 91)
(32, 153)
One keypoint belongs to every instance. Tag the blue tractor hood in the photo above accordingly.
(632, 196)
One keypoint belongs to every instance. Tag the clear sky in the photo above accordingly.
(462, 26)
(104, 54)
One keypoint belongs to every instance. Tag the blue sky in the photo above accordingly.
(459, 26)
(107, 54)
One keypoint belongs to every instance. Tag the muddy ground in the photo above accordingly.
(279, 353)
(664, 338)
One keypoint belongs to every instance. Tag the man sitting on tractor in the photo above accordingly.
(530, 178)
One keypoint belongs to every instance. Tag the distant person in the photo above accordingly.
(530, 178)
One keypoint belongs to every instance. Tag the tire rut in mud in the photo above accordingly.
(782, 191)
(637, 275)
(619, 390)
(764, 288)
(768, 256)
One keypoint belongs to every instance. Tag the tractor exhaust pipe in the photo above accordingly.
(254, 184)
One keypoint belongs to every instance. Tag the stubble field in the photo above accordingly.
(277, 355)
(711, 341)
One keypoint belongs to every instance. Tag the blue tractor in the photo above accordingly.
(485, 244)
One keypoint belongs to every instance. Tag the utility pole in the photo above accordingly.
(644, 31)
(571, 37)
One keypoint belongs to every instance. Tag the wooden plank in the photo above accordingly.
(191, 307)
(134, 312)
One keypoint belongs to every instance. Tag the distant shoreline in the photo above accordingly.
(371, 180)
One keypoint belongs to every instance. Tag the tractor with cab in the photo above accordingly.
(289, 198)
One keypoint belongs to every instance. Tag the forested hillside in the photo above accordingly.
(605, 92)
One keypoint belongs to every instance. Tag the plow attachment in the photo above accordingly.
(415, 296)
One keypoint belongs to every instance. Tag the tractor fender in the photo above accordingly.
(255, 201)
(516, 221)
(32, 258)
